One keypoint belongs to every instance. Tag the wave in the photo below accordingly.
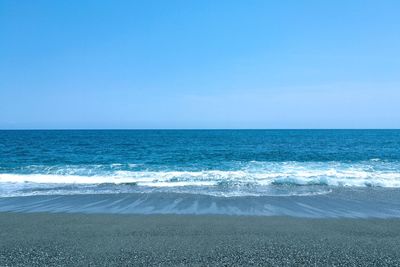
(252, 178)
(300, 177)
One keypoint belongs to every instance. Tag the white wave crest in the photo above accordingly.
(290, 175)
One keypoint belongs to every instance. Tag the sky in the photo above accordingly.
(199, 64)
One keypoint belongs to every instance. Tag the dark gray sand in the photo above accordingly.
(40, 239)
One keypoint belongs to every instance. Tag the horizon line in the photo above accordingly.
(184, 129)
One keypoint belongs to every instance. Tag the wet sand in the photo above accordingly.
(42, 239)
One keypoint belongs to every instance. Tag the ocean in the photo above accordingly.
(307, 173)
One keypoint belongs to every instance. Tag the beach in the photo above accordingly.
(62, 239)
(200, 198)
(199, 133)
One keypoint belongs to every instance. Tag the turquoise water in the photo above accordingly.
(202, 164)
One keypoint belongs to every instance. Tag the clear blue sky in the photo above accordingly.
(200, 64)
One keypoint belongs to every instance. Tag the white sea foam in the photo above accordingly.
(244, 180)
(289, 176)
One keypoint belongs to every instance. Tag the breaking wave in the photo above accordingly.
(254, 178)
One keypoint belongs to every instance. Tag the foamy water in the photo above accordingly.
(253, 178)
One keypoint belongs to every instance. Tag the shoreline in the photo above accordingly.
(38, 239)
(341, 202)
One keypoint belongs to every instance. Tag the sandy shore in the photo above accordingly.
(40, 239)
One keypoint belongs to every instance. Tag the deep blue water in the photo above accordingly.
(221, 164)
(196, 149)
